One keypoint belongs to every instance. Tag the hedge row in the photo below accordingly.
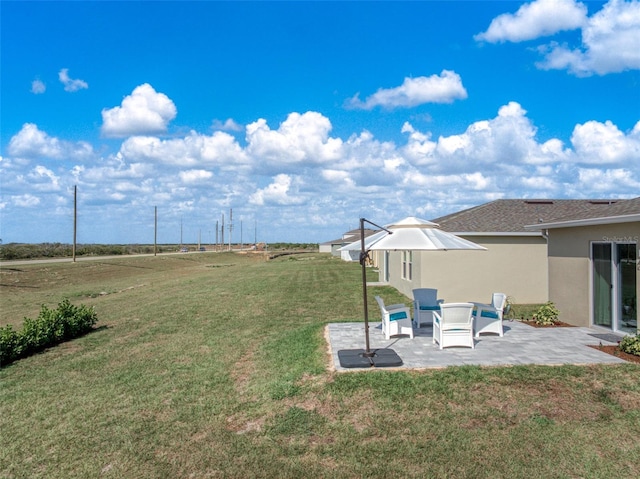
(53, 326)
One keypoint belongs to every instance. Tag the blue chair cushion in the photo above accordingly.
(397, 316)
(429, 308)
(486, 314)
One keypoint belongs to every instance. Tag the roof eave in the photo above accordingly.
(587, 222)
(497, 233)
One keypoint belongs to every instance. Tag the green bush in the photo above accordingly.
(51, 327)
(547, 314)
(631, 344)
(10, 344)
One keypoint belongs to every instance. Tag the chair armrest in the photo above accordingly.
(395, 306)
(481, 305)
(491, 312)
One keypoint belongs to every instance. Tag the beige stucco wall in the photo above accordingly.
(514, 265)
(570, 276)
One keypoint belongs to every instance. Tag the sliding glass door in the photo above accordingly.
(602, 284)
(614, 293)
(627, 291)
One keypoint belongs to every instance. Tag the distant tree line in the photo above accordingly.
(293, 246)
(18, 251)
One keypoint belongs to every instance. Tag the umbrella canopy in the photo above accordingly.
(421, 235)
(412, 234)
(408, 234)
(368, 241)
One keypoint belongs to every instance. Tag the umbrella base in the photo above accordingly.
(378, 358)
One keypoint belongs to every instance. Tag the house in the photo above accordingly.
(594, 273)
(334, 246)
(520, 259)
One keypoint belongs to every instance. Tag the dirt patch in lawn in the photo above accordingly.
(615, 351)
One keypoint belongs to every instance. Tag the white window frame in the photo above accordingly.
(407, 265)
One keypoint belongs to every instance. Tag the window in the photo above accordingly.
(407, 265)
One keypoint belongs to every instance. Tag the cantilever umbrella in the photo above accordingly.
(412, 234)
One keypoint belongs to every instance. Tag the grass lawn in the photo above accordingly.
(215, 365)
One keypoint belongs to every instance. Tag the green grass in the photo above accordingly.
(215, 365)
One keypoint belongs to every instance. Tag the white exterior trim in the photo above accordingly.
(496, 233)
(587, 222)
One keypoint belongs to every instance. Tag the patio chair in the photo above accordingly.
(453, 325)
(488, 317)
(425, 302)
(396, 319)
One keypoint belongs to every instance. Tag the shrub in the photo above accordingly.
(631, 345)
(9, 344)
(547, 314)
(51, 327)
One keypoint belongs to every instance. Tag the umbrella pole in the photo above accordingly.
(363, 259)
(359, 358)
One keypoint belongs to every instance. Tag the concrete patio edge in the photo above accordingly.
(521, 344)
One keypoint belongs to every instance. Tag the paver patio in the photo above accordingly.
(521, 344)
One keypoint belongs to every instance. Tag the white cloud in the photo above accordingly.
(603, 143)
(610, 43)
(276, 193)
(444, 88)
(195, 176)
(228, 125)
(70, 84)
(314, 175)
(506, 139)
(610, 37)
(43, 179)
(300, 139)
(130, 187)
(599, 181)
(31, 142)
(144, 112)
(114, 171)
(194, 149)
(38, 87)
(336, 176)
(25, 201)
(534, 20)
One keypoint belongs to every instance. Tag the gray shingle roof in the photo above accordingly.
(511, 216)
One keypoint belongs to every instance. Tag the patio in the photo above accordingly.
(521, 344)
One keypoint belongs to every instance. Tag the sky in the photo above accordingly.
(289, 121)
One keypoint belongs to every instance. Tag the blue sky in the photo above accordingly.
(303, 117)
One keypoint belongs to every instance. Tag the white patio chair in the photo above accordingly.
(396, 319)
(453, 325)
(488, 317)
(425, 302)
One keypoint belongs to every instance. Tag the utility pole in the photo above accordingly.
(230, 226)
(155, 231)
(240, 235)
(75, 220)
(222, 233)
